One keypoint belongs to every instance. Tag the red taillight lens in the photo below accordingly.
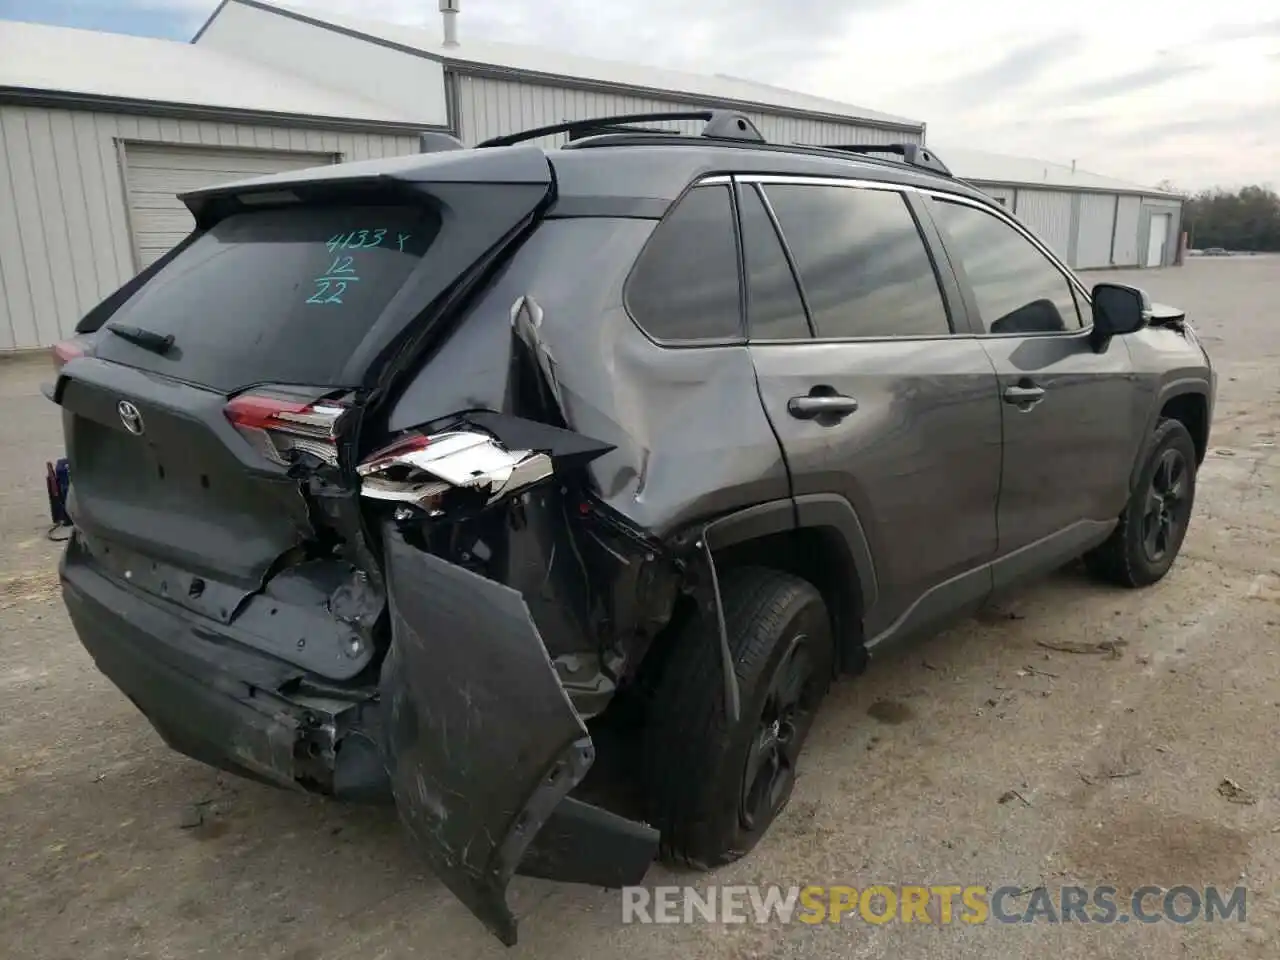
(278, 425)
(390, 456)
(65, 352)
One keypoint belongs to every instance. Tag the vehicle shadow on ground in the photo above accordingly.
(169, 851)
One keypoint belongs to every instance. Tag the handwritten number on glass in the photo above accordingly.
(360, 240)
(332, 284)
(323, 294)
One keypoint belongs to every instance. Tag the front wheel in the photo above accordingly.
(1145, 543)
(715, 786)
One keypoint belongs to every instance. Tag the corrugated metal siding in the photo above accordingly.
(157, 172)
(1002, 194)
(489, 108)
(1127, 216)
(64, 236)
(1093, 237)
(1048, 214)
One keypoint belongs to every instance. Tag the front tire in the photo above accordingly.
(715, 786)
(1145, 543)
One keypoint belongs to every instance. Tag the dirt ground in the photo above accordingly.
(1115, 757)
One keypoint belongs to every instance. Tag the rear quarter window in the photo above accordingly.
(280, 296)
(685, 282)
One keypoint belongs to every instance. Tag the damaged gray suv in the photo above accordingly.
(425, 479)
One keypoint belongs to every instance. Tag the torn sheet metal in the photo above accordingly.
(482, 741)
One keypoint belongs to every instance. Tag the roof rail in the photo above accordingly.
(913, 154)
(720, 125)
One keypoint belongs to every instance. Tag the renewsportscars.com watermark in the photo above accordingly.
(933, 904)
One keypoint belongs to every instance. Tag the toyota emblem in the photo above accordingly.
(130, 417)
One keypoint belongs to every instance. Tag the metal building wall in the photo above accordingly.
(1003, 195)
(1126, 234)
(1095, 229)
(64, 236)
(488, 107)
(1049, 215)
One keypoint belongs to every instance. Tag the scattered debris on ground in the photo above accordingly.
(1010, 795)
(1109, 647)
(1030, 671)
(1107, 775)
(1235, 793)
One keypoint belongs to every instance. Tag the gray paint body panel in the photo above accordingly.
(921, 403)
(1086, 419)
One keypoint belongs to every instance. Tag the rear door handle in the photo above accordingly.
(1023, 395)
(811, 407)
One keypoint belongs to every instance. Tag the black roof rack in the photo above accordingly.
(913, 154)
(720, 125)
(726, 126)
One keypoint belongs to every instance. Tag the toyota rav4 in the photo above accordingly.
(399, 478)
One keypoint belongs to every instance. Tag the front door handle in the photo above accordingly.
(1024, 395)
(815, 407)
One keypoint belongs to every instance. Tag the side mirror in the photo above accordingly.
(1119, 309)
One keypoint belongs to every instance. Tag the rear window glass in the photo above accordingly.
(282, 296)
(685, 284)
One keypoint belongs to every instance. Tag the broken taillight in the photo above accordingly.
(419, 469)
(280, 426)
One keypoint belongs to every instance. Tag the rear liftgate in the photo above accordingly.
(483, 742)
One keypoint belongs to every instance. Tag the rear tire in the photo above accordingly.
(713, 786)
(1145, 543)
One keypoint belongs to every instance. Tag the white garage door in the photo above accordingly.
(1094, 234)
(1157, 239)
(157, 173)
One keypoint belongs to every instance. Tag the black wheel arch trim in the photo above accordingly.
(803, 512)
(1183, 386)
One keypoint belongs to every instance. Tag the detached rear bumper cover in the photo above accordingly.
(484, 744)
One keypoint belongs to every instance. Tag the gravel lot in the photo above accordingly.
(1116, 758)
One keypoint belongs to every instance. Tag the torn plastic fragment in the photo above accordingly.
(418, 468)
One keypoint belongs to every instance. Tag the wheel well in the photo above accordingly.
(820, 556)
(1192, 410)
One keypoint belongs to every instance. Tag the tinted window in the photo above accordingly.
(279, 296)
(774, 308)
(1017, 287)
(685, 284)
(862, 261)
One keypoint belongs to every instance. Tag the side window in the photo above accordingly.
(685, 283)
(1018, 289)
(862, 261)
(774, 308)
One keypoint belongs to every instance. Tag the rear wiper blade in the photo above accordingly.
(147, 339)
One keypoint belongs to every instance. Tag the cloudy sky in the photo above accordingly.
(1144, 90)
